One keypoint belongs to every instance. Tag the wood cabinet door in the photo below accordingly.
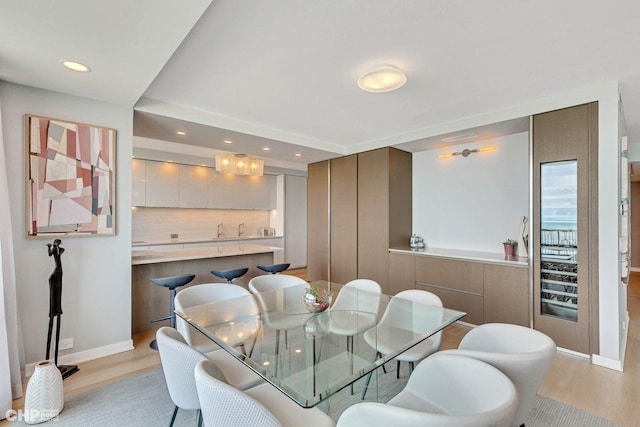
(565, 310)
(318, 221)
(344, 219)
(506, 295)
(402, 273)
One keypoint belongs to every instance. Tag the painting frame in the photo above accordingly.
(70, 178)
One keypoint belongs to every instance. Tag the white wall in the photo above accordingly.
(486, 194)
(96, 296)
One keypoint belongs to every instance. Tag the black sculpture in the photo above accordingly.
(55, 304)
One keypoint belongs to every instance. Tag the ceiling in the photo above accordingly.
(283, 74)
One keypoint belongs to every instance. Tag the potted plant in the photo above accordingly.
(510, 246)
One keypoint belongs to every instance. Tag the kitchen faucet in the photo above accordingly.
(220, 229)
(240, 229)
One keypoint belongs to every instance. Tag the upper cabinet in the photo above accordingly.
(164, 184)
(139, 180)
(194, 183)
(222, 187)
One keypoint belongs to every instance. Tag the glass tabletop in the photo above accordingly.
(310, 356)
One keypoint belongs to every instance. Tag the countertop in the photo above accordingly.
(211, 240)
(487, 257)
(139, 257)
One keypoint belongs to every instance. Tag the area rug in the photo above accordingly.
(144, 400)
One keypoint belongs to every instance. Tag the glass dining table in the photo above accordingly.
(298, 351)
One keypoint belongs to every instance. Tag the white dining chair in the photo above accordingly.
(273, 319)
(178, 360)
(355, 310)
(262, 406)
(203, 294)
(522, 353)
(396, 328)
(445, 390)
(268, 282)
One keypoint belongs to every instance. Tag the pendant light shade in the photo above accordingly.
(239, 164)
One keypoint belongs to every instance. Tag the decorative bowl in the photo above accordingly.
(316, 300)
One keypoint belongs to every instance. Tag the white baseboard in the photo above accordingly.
(606, 362)
(573, 353)
(86, 355)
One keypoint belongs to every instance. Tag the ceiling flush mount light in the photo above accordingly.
(466, 152)
(239, 164)
(75, 66)
(382, 78)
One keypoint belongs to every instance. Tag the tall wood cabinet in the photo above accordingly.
(565, 226)
(343, 219)
(318, 221)
(358, 207)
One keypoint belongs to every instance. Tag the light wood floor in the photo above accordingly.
(572, 380)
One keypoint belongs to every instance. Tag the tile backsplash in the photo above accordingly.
(152, 224)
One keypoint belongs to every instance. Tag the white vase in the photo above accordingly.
(45, 396)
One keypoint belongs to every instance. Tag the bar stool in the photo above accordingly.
(274, 268)
(172, 283)
(231, 274)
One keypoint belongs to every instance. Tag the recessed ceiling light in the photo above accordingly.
(181, 133)
(226, 141)
(75, 66)
(382, 78)
(266, 149)
(298, 155)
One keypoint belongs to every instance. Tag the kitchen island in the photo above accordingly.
(150, 301)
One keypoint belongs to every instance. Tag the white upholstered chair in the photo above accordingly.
(268, 282)
(396, 328)
(355, 309)
(203, 294)
(523, 354)
(262, 406)
(265, 283)
(178, 361)
(444, 390)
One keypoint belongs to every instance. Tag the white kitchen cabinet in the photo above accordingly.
(258, 193)
(139, 183)
(245, 190)
(268, 193)
(295, 221)
(222, 187)
(163, 184)
(194, 184)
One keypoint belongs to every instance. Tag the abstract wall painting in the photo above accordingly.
(70, 188)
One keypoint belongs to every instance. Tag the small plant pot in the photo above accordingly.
(509, 250)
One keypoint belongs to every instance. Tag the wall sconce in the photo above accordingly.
(466, 152)
(239, 164)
